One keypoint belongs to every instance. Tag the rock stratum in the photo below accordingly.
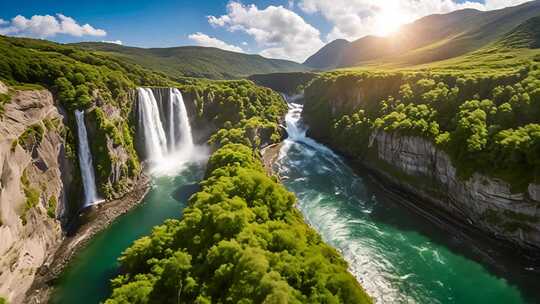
(420, 168)
(40, 186)
(33, 169)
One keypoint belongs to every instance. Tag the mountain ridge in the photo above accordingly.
(432, 38)
(196, 61)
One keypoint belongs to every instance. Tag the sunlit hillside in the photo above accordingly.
(432, 38)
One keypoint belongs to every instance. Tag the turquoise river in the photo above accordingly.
(397, 255)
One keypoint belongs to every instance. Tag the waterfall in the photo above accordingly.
(180, 126)
(296, 129)
(155, 141)
(164, 126)
(85, 162)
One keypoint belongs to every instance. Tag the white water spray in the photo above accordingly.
(168, 139)
(296, 130)
(179, 126)
(85, 163)
(149, 121)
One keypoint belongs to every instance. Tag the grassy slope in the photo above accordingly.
(504, 72)
(328, 56)
(516, 49)
(192, 61)
(437, 37)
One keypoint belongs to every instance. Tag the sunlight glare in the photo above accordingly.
(389, 21)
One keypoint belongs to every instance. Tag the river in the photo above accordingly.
(86, 280)
(397, 255)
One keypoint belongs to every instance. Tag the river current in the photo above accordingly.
(396, 254)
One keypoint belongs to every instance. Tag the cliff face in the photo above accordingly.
(40, 183)
(116, 162)
(417, 166)
(33, 168)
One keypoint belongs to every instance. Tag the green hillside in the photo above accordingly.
(195, 61)
(482, 108)
(527, 35)
(434, 38)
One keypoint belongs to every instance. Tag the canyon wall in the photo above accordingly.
(35, 174)
(418, 167)
(416, 130)
(40, 183)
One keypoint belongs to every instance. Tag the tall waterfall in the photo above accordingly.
(150, 122)
(180, 129)
(164, 124)
(85, 162)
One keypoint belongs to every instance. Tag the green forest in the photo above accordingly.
(81, 79)
(252, 215)
(240, 240)
(488, 123)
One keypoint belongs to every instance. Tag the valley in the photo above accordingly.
(388, 169)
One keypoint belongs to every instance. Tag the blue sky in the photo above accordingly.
(274, 28)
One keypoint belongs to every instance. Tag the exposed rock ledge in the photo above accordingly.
(269, 156)
(417, 166)
(31, 188)
(36, 175)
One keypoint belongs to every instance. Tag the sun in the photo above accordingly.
(389, 21)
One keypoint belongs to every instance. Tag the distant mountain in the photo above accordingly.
(328, 56)
(429, 39)
(195, 61)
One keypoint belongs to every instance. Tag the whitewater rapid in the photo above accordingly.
(397, 256)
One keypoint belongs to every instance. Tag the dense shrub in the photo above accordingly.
(487, 123)
(239, 241)
(239, 111)
(32, 196)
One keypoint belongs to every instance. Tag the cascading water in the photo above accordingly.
(166, 133)
(397, 255)
(294, 128)
(179, 126)
(155, 141)
(176, 167)
(85, 163)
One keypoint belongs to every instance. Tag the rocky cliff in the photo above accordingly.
(40, 186)
(34, 176)
(418, 167)
(116, 162)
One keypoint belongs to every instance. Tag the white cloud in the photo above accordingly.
(497, 4)
(42, 26)
(119, 42)
(205, 40)
(352, 19)
(279, 31)
(2, 21)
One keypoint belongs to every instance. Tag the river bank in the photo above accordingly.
(399, 248)
(96, 220)
(498, 255)
(269, 155)
(442, 218)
